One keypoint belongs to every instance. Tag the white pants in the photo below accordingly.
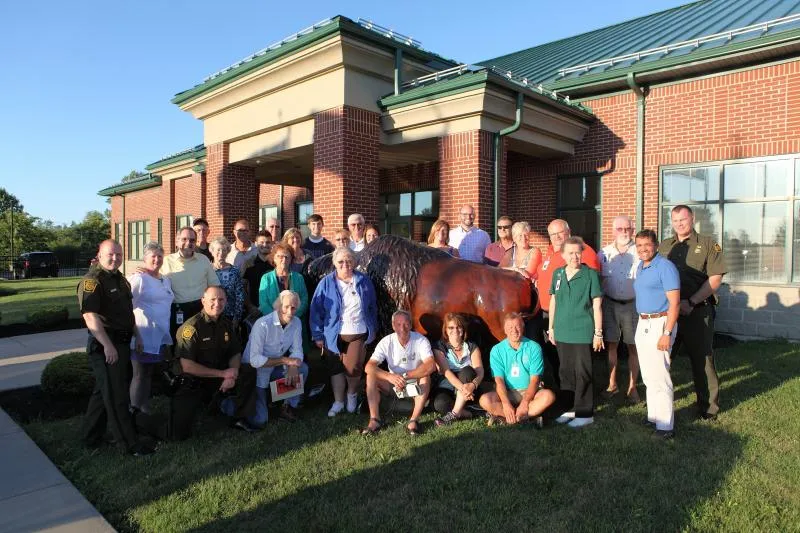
(654, 366)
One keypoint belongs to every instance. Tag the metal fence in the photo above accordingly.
(12, 267)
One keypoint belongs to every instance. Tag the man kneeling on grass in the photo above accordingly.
(517, 367)
(409, 358)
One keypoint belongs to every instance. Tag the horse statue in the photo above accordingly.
(429, 283)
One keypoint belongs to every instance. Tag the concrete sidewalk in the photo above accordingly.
(23, 358)
(34, 494)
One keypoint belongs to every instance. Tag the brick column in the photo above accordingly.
(167, 215)
(229, 192)
(466, 177)
(346, 149)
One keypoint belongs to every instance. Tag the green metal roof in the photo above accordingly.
(672, 29)
(307, 37)
(142, 182)
(195, 152)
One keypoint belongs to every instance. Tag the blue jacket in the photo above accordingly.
(325, 316)
(269, 290)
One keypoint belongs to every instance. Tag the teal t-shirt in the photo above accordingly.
(516, 366)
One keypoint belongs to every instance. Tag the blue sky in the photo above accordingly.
(85, 86)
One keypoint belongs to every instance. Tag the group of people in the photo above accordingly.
(229, 317)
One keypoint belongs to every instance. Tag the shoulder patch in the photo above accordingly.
(717, 247)
(89, 285)
(188, 332)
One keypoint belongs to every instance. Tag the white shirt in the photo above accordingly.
(401, 359)
(471, 244)
(357, 246)
(152, 299)
(270, 340)
(618, 271)
(237, 258)
(352, 319)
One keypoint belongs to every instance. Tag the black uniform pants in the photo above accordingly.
(108, 404)
(575, 371)
(195, 393)
(696, 334)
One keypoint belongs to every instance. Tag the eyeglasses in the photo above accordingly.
(562, 232)
(340, 240)
(624, 229)
(503, 227)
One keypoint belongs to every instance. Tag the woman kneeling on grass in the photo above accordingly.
(460, 365)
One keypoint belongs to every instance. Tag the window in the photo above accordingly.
(304, 210)
(749, 206)
(265, 212)
(160, 231)
(579, 204)
(118, 231)
(182, 221)
(409, 214)
(138, 236)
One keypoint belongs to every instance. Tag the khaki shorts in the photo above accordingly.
(619, 321)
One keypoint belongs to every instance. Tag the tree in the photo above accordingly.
(9, 201)
(132, 175)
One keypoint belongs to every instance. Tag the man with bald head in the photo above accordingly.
(558, 231)
(619, 263)
(470, 240)
(106, 303)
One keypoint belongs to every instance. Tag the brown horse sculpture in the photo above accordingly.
(430, 283)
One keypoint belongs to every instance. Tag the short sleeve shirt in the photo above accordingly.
(696, 258)
(619, 271)
(208, 342)
(471, 244)
(108, 294)
(551, 261)
(652, 283)
(453, 362)
(574, 319)
(516, 367)
(399, 358)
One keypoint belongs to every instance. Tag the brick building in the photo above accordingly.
(698, 104)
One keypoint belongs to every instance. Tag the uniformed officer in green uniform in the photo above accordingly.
(207, 360)
(105, 301)
(701, 265)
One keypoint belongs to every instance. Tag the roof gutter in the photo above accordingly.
(497, 155)
(641, 97)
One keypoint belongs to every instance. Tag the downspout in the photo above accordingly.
(280, 212)
(124, 234)
(497, 138)
(398, 70)
(641, 96)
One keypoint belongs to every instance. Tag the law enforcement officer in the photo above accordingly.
(701, 265)
(105, 301)
(207, 360)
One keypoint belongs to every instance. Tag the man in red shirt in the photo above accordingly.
(559, 232)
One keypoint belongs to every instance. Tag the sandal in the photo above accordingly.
(415, 430)
(372, 431)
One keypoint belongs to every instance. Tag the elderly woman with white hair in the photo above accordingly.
(344, 319)
(275, 349)
(522, 257)
(152, 300)
(230, 279)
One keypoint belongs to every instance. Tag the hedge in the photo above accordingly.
(68, 375)
(49, 316)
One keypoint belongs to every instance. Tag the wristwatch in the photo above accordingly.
(667, 332)
(405, 376)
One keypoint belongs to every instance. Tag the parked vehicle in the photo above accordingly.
(33, 264)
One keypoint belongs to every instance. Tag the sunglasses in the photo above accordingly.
(503, 227)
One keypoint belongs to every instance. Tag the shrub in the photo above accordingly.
(7, 291)
(68, 375)
(49, 316)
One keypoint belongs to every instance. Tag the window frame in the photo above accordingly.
(180, 218)
(302, 226)
(138, 236)
(792, 197)
(385, 222)
(262, 216)
(598, 207)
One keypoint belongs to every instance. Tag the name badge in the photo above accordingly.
(545, 264)
(515, 371)
(558, 283)
(179, 317)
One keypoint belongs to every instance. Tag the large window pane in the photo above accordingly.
(796, 216)
(579, 193)
(426, 203)
(583, 224)
(797, 177)
(757, 180)
(687, 185)
(755, 241)
(706, 220)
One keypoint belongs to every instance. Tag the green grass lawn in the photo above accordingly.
(34, 294)
(741, 473)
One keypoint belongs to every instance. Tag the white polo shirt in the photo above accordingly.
(401, 359)
(618, 271)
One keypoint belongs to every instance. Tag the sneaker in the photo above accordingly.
(664, 434)
(445, 420)
(287, 413)
(492, 420)
(244, 425)
(538, 422)
(566, 418)
(352, 403)
(580, 422)
(140, 450)
(335, 409)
